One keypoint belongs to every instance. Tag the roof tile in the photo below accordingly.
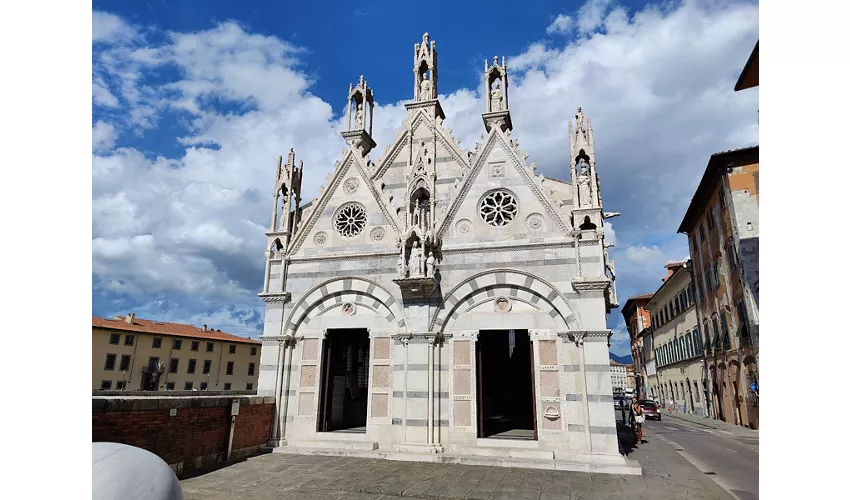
(164, 328)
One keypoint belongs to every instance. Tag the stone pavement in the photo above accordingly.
(302, 477)
(720, 425)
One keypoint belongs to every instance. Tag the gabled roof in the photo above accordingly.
(139, 325)
(716, 168)
(750, 74)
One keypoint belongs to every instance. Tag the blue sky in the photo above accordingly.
(193, 101)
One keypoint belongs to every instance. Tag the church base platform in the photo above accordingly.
(590, 462)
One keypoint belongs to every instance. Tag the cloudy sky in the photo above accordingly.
(193, 102)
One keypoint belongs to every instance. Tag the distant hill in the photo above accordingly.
(626, 360)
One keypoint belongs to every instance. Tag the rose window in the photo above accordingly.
(350, 220)
(498, 208)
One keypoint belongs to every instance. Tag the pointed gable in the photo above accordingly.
(350, 215)
(499, 187)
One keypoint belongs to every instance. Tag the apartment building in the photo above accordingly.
(637, 320)
(135, 354)
(678, 346)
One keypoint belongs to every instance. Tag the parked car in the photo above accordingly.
(650, 409)
(619, 402)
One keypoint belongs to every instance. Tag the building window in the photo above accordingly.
(157, 342)
(187, 386)
(169, 386)
(724, 327)
(227, 386)
(722, 199)
(756, 177)
(696, 391)
(716, 273)
(708, 284)
(110, 362)
(250, 368)
(716, 332)
(114, 338)
(105, 385)
(709, 218)
(249, 386)
(203, 386)
(125, 362)
(232, 349)
(210, 346)
(207, 365)
(172, 368)
(128, 339)
(742, 320)
(176, 344)
(120, 385)
(192, 364)
(195, 345)
(229, 368)
(253, 351)
(730, 254)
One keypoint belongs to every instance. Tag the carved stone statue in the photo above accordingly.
(429, 264)
(496, 97)
(425, 88)
(584, 186)
(415, 260)
(358, 118)
(579, 120)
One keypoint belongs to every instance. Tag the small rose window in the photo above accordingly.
(498, 208)
(350, 220)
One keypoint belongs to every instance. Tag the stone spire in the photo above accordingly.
(425, 69)
(360, 111)
(496, 84)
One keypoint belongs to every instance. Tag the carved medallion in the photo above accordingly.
(320, 238)
(497, 169)
(534, 222)
(463, 226)
(348, 309)
(378, 233)
(350, 185)
(502, 304)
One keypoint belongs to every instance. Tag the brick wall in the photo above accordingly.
(193, 437)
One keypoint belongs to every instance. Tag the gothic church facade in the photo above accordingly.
(442, 304)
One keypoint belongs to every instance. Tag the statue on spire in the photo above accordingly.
(425, 69)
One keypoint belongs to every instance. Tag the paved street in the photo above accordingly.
(733, 460)
(300, 477)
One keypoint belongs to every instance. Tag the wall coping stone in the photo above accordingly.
(135, 403)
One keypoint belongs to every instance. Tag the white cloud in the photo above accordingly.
(102, 136)
(110, 28)
(640, 254)
(562, 24)
(657, 85)
(590, 15)
(610, 235)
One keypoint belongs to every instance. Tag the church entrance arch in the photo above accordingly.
(344, 389)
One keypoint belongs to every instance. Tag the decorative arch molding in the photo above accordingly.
(520, 285)
(336, 291)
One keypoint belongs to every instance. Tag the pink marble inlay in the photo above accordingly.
(382, 348)
(549, 386)
(308, 376)
(548, 352)
(461, 352)
(463, 413)
(461, 382)
(381, 376)
(311, 349)
(379, 405)
(305, 403)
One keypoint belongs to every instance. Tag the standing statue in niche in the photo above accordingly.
(415, 260)
(429, 264)
(425, 88)
(579, 120)
(584, 185)
(399, 265)
(358, 118)
(496, 97)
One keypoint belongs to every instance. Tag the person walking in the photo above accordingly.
(637, 417)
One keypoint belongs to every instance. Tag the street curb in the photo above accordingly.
(709, 426)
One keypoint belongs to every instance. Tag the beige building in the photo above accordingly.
(618, 376)
(134, 354)
(677, 342)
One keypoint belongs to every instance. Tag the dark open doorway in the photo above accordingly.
(505, 385)
(345, 381)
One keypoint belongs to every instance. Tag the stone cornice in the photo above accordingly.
(496, 247)
(591, 284)
(392, 153)
(410, 106)
(275, 297)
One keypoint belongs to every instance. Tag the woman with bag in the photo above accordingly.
(639, 417)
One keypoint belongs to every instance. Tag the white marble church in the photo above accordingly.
(439, 304)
